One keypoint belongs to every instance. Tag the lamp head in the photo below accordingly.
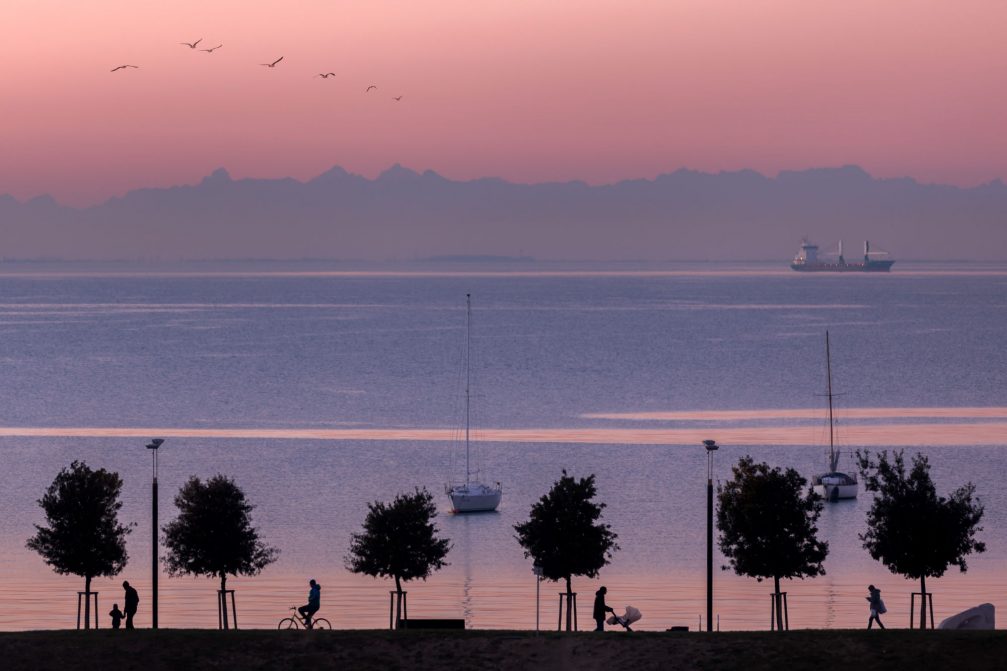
(155, 443)
(711, 445)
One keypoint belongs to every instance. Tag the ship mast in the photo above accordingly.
(833, 460)
(468, 376)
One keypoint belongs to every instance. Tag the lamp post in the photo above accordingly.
(537, 570)
(711, 446)
(152, 446)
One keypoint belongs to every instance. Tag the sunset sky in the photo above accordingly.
(529, 91)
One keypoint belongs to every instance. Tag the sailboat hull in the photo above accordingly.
(474, 498)
(836, 486)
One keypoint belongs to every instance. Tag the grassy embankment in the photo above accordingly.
(484, 650)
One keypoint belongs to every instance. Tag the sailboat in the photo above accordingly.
(833, 485)
(471, 496)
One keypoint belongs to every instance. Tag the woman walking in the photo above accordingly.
(877, 607)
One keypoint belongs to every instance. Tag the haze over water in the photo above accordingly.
(321, 391)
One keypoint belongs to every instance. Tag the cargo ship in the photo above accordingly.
(807, 261)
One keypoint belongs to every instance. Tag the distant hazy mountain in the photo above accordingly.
(402, 214)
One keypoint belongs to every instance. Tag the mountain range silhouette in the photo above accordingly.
(403, 214)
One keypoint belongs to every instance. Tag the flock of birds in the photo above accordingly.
(194, 45)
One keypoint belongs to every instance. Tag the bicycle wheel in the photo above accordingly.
(289, 623)
(320, 623)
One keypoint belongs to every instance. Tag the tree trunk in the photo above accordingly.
(222, 598)
(87, 602)
(398, 601)
(778, 599)
(569, 604)
(923, 602)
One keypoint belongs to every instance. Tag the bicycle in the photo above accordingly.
(297, 622)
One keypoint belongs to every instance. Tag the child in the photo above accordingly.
(116, 616)
(877, 606)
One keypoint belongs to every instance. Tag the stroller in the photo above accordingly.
(629, 617)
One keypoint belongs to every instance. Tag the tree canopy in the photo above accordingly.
(564, 535)
(767, 523)
(910, 529)
(82, 534)
(399, 540)
(213, 534)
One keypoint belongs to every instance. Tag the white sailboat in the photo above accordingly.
(471, 496)
(834, 485)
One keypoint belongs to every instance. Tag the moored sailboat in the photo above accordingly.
(833, 485)
(472, 496)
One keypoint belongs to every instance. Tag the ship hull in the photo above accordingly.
(870, 267)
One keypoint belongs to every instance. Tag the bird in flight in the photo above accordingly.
(273, 64)
(212, 49)
(372, 86)
(397, 98)
(192, 45)
(135, 67)
(326, 75)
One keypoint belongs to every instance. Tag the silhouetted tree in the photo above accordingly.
(767, 525)
(563, 534)
(82, 535)
(399, 541)
(910, 529)
(213, 534)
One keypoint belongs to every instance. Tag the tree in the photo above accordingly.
(910, 529)
(768, 526)
(213, 534)
(83, 535)
(563, 535)
(399, 540)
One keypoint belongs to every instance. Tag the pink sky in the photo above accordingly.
(526, 90)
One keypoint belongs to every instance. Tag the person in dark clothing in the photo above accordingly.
(600, 608)
(132, 601)
(116, 616)
(314, 602)
(877, 606)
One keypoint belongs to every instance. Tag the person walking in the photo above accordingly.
(600, 608)
(314, 603)
(132, 601)
(877, 606)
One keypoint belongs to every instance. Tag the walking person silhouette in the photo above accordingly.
(877, 607)
(600, 608)
(132, 601)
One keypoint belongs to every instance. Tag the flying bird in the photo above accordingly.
(212, 49)
(135, 67)
(372, 86)
(273, 64)
(326, 75)
(397, 98)
(192, 45)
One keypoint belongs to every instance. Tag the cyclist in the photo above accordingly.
(314, 603)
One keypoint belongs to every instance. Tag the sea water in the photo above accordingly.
(322, 389)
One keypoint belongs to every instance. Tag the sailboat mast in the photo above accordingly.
(468, 376)
(828, 370)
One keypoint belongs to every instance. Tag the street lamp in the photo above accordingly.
(711, 446)
(152, 446)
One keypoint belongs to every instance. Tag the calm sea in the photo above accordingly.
(319, 391)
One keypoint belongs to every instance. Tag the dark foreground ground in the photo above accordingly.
(457, 651)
